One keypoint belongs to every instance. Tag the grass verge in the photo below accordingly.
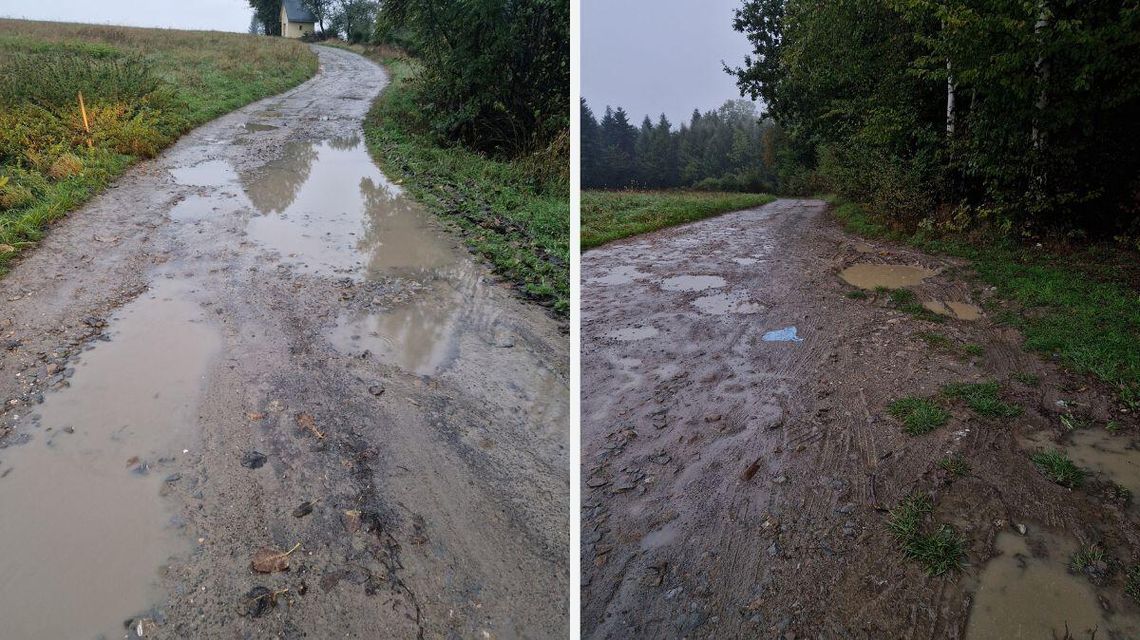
(918, 415)
(515, 213)
(142, 89)
(938, 552)
(610, 215)
(1083, 306)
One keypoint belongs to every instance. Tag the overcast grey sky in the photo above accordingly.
(659, 56)
(215, 15)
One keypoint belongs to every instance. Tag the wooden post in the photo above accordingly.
(86, 126)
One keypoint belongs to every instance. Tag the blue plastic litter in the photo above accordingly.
(787, 334)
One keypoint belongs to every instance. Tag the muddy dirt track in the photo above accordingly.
(256, 340)
(736, 482)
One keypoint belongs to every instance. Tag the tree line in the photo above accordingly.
(493, 75)
(1018, 114)
(722, 150)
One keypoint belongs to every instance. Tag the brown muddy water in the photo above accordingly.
(892, 276)
(959, 310)
(1033, 596)
(85, 530)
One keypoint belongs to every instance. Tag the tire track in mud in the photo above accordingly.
(737, 488)
(421, 444)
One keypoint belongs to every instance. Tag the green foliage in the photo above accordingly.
(939, 552)
(857, 294)
(719, 150)
(919, 415)
(610, 215)
(1132, 583)
(983, 398)
(997, 113)
(973, 349)
(1087, 556)
(516, 213)
(495, 75)
(1056, 466)
(936, 340)
(1027, 379)
(142, 89)
(904, 300)
(955, 465)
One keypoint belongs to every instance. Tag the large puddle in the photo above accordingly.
(1030, 596)
(85, 531)
(891, 276)
(327, 209)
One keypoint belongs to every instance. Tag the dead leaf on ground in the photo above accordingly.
(106, 238)
(747, 474)
(352, 521)
(254, 416)
(7, 248)
(270, 559)
(308, 423)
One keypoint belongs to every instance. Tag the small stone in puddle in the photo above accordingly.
(303, 509)
(253, 459)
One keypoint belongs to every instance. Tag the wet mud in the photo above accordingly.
(740, 487)
(274, 347)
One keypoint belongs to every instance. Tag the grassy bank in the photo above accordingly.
(142, 89)
(1082, 305)
(514, 213)
(610, 215)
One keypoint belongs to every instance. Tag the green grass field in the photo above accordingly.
(514, 213)
(142, 89)
(610, 215)
(1082, 305)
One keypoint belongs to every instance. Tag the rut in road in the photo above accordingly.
(256, 340)
(736, 481)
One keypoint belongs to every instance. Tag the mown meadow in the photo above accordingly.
(141, 88)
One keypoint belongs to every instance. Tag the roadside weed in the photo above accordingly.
(918, 415)
(1027, 379)
(955, 465)
(983, 398)
(938, 552)
(1056, 466)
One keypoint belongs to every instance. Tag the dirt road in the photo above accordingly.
(256, 341)
(737, 474)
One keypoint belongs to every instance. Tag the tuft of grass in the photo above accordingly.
(983, 398)
(857, 294)
(610, 215)
(955, 465)
(918, 415)
(936, 340)
(938, 552)
(514, 212)
(904, 300)
(1132, 583)
(1056, 466)
(1087, 556)
(1113, 427)
(1072, 422)
(142, 89)
(1027, 379)
(973, 349)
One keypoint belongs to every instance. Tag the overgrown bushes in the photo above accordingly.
(1019, 113)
